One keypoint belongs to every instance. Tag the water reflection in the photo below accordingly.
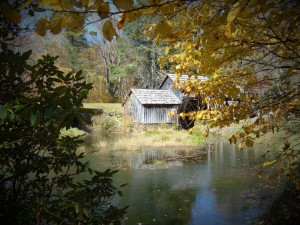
(207, 192)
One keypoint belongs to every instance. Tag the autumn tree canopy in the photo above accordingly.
(249, 50)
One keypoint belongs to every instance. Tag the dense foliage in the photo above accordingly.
(38, 167)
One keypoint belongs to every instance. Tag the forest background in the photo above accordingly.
(113, 67)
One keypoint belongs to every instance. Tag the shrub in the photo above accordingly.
(38, 165)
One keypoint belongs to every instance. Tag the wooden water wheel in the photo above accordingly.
(189, 104)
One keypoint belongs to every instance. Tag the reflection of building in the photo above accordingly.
(152, 106)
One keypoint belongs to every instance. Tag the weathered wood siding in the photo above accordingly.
(149, 114)
(159, 114)
(168, 85)
(134, 109)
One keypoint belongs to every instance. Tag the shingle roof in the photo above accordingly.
(153, 96)
(185, 77)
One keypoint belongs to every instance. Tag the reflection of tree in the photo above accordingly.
(152, 200)
(229, 189)
(234, 177)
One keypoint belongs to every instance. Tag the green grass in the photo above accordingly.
(107, 107)
(165, 137)
(150, 133)
(197, 137)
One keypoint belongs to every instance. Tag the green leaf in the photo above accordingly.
(33, 118)
(90, 171)
(123, 185)
(86, 213)
(3, 112)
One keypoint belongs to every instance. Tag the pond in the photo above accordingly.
(218, 189)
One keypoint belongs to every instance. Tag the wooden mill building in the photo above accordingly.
(153, 106)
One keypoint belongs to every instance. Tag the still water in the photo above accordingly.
(217, 190)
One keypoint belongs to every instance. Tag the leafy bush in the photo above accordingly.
(106, 123)
(197, 137)
(109, 125)
(37, 164)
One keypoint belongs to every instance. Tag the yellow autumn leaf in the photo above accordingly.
(41, 26)
(206, 133)
(188, 89)
(56, 23)
(85, 2)
(55, 4)
(233, 13)
(249, 143)
(25, 4)
(121, 21)
(162, 29)
(200, 114)
(108, 30)
(268, 163)
(167, 50)
(167, 9)
(233, 139)
(254, 3)
(74, 21)
(133, 16)
(227, 31)
(103, 10)
(240, 146)
(10, 13)
(124, 4)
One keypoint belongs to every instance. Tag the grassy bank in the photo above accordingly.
(107, 107)
(160, 136)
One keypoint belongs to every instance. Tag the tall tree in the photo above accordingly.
(75, 43)
(146, 53)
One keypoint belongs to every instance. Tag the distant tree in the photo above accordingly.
(145, 54)
(75, 44)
